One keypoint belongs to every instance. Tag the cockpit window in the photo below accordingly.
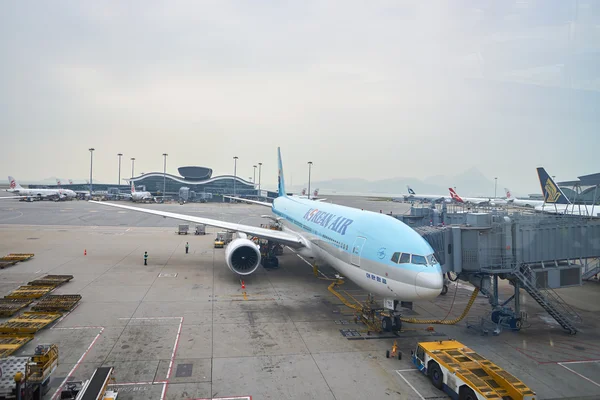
(419, 260)
(431, 260)
(405, 258)
(395, 257)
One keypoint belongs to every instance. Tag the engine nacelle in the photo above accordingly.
(242, 256)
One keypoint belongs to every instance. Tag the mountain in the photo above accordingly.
(468, 183)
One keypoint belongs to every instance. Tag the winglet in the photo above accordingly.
(552, 193)
(280, 179)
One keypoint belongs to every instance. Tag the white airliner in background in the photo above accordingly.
(58, 194)
(522, 202)
(480, 201)
(140, 196)
(379, 253)
(556, 202)
(313, 197)
(436, 198)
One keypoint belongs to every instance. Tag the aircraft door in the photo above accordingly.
(357, 250)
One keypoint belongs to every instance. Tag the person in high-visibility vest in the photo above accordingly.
(187, 247)
(145, 258)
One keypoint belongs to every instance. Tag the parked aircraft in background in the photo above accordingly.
(56, 194)
(521, 202)
(555, 201)
(140, 196)
(313, 197)
(380, 254)
(480, 201)
(436, 198)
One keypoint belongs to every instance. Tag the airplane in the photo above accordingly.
(555, 201)
(313, 197)
(521, 202)
(480, 201)
(58, 194)
(436, 198)
(382, 255)
(139, 196)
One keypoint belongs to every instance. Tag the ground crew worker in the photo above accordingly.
(145, 258)
(187, 247)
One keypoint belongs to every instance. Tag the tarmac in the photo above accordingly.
(183, 327)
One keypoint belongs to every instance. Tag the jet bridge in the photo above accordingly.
(537, 253)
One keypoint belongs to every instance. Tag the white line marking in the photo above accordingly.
(412, 387)
(578, 374)
(580, 362)
(58, 390)
(138, 383)
(407, 370)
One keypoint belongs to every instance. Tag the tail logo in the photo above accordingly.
(553, 194)
(13, 184)
(454, 196)
(410, 191)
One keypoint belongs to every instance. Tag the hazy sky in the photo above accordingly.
(363, 89)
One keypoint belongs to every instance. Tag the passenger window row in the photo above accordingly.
(406, 258)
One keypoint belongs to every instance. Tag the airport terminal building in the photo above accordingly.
(196, 183)
(193, 184)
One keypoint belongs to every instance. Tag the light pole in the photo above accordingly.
(235, 158)
(495, 185)
(254, 176)
(164, 175)
(132, 163)
(259, 165)
(91, 168)
(119, 181)
(309, 167)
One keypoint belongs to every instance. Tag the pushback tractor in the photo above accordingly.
(465, 375)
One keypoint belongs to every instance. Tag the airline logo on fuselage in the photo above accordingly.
(327, 220)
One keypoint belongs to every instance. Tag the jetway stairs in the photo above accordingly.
(550, 301)
(592, 269)
(535, 252)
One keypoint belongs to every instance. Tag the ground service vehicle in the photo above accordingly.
(465, 375)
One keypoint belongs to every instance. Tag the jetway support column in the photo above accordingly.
(517, 297)
(496, 300)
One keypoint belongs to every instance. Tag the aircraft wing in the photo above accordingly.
(260, 203)
(286, 238)
(12, 197)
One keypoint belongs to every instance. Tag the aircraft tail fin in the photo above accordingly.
(58, 182)
(410, 190)
(316, 193)
(552, 193)
(70, 182)
(132, 187)
(455, 196)
(280, 179)
(509, 196)
(13, 183)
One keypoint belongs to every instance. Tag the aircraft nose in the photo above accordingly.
(428, 285)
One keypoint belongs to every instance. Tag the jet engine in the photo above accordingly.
(242, 256)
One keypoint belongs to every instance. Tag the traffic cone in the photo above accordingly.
(243, 285)
(85, 252)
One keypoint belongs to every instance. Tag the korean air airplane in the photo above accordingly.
(379, 253)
